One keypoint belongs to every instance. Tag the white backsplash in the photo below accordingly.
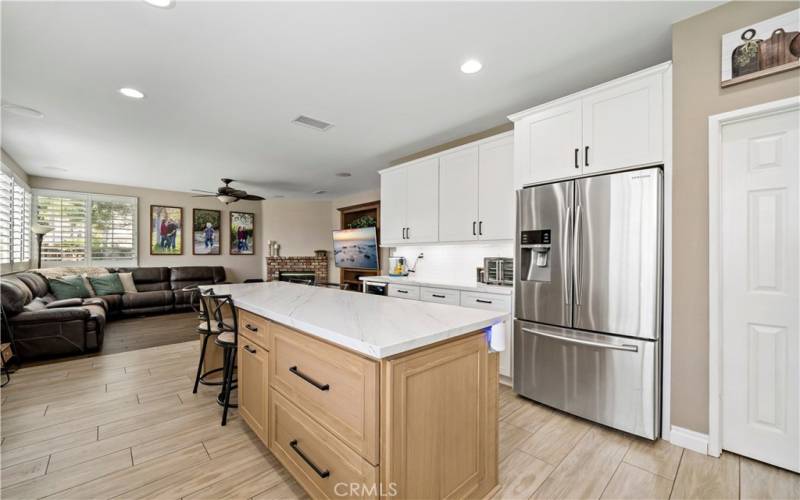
(451, 264)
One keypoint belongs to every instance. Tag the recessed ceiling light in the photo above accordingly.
(132, 93)
(22, 110)
(321, 191)
(343, 174)
(471, 66)
(163, 4)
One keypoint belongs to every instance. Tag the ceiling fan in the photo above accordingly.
(226, 194)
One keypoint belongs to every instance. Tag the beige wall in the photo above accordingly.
(237, 267)
(696, 96)
(299, 226)
(335, 222)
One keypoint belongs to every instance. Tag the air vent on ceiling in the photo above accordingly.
(307, 121)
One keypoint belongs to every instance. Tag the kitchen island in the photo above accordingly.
(365, 396)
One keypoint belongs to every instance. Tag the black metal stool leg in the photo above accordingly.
(200, 364)
(230, 360)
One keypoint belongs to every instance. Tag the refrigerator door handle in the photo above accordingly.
(576, 254)
(623, 347)
(565, 258)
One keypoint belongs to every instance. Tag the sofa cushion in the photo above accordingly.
(113, 302)
(35, 282)
(69, 287)
(60, 272)
(109, 284)
(145, 300)
(127, 282)
(148, 278)
(15, 295)
(182, 277)
(64, 303)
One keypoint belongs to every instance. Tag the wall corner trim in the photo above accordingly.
(688, 439)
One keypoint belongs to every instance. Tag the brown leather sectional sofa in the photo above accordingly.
(45, 327)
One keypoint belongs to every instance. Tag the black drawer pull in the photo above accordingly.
(438, 296)
(250, 327)
(249, 349)
(321, 473)
(321, 387)
(483, 301)
(402, 291)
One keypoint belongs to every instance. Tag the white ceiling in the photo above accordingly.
(223, 80)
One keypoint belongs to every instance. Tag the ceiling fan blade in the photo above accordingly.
(204, 196)
(253, 197)
(238, 193)
(203, 191)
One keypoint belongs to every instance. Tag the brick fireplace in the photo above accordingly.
(317, 265)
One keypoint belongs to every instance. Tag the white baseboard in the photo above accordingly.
(690, 440)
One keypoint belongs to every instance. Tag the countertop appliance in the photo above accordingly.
(498, 271)
(375, 287)
(398, 266)
(588, 309)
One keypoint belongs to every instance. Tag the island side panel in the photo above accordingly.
(439, 421)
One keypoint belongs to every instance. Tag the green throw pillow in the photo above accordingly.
(68, 287)
(106, 284)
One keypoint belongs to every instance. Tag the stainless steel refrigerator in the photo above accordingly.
(588, 309)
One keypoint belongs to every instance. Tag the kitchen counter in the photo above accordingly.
(375, 326)
(470, 287)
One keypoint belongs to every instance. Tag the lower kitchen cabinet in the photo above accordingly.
(253, 382)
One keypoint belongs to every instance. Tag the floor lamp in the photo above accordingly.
(39, 230)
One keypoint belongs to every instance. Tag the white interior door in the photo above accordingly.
(760, 279)
(422, 211)
(496, 190)
(394, 194)
(458, 195)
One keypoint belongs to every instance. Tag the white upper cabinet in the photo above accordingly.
(620, 124)
(410, 203)
(624, 125)
(458, 195)
(422, 224)
(394, 198)
(496, 197)
(463, 194)
(549, 143)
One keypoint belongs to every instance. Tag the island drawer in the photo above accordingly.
(316, 458)
(254, 327)
(441, 295)
(335, 387)
(404, 291)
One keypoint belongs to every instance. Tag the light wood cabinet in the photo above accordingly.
(616, 125)
(253, 382)
(410, 203)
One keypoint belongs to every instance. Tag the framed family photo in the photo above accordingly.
(166, 230)
(242, 230)
(206, 232)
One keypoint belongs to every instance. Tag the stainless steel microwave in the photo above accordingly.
(498, 271)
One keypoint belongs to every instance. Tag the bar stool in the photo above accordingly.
(209, 326)
(219, 307)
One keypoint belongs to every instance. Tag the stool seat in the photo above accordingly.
(226, 338)
(203, 328)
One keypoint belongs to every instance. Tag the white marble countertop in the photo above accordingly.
(470, 287)
(373, 325)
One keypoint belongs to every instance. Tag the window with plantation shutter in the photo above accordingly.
(88, 229)
(15, 221)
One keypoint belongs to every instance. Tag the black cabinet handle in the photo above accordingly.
(321, 387)
(402, 291)
(249, 349)
(480, 228)
(250, 327)
(473, 229)
(483, 301)
(576, 158)
(438, 296)
(321, 473)
(408, 233)
(586, 156)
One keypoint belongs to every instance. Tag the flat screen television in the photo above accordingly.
(356, 248)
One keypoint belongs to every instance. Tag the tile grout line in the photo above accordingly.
(562, 460)
(677, 471)
(627, 448)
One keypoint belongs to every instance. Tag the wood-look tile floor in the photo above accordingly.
(127, 425)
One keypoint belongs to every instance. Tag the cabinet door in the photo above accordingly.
(458, 195)
(496, 190)
(549, 141)
(253, 370)
(422, 205)
(394, 189)
(623, 125)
